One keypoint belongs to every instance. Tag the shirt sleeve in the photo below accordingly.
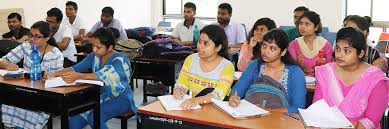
(118, 25)
(298, 95)
(292, 49)
(328, 51)
(245, 57)
(223, 85)
(318, 93)
(16, 54)
(183, 75)
(95, 27)
(175, 33)
(241, 33)
(245, 80)
(85, 65)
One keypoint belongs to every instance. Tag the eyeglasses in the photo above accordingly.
(35, 37)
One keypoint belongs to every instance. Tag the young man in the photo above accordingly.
(234, 30)
(293, 32)
(108, 21)
(63, 36)
(17, 32)
(183, 32)
(75, 22)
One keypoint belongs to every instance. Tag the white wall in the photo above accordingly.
(132, 13)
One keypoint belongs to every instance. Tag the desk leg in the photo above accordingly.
(65, 119)
(96, 115)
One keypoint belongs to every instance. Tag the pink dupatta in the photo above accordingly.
(355, 102)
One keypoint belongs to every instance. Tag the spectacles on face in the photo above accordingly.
(35, 37)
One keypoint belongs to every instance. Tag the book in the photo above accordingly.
(172, 104)
(243, 111)
(320, 115)
(58, 81)
(3, 72)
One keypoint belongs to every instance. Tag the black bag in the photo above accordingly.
(141, 34)
(166, 49)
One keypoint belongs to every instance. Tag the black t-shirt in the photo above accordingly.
(372, 55)
(23, 31)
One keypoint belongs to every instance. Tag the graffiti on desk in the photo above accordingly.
(165, 120)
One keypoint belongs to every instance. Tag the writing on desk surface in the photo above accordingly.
(26, 90)
(168, 120)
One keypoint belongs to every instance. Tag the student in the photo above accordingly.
(305, 49)
(183, 32)
(234, 30)
(246, 54)
(275, 62)
(51, 57)
(106, 20)
(109, 66)
(63, 36)
(74, 21)
(207, 69)
(293, 33)
(372, 55)
(359, 90)
(17, 32)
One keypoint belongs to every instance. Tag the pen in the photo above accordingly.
(291, 115)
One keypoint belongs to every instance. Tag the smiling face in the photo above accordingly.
(346, 55)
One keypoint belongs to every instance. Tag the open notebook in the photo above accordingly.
(58, 81)
(172, 104)
(243, 111)
(319, 114)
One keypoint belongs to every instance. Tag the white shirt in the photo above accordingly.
(115, 24)
(235, 32)
(65, 31)
(184, 33)
(77, 25)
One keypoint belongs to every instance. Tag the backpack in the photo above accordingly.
(141, 34)
(268, 93)
(166, 49)
(130, 47)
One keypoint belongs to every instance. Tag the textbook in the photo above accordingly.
(172, 104)
(58, 81)
(243, 111)
(320, 115)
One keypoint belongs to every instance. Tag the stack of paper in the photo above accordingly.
(170, 103)
(310, 80)
(319, 114)
(244, 110)
(58, 81)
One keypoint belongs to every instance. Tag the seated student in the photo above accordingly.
(106, 20)
(17, 32)
(51, 57)
(63, 35)
(275, 62)
(305, 49)
(247, 53)
(359, 90)
(234, 30)
(183, 32)
(74, 21)
(372, 55)
(208, 69)
(109, 66)
(293, 33)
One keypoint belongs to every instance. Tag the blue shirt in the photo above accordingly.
(296, 87)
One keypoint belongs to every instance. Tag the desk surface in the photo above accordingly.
(26, 83)
(210, 115)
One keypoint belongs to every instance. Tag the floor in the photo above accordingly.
(115, 123)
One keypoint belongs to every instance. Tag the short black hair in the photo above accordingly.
(106, 35)
(45, 29)
(314, 18)
(15, 15)
(226, 6)
(55, 12)
(269, 23)
(361, 22)
(301, 8)
(281, 39)
(190, 5)
(219, 37)
(71, 3)
(355, 38)
(108, 10)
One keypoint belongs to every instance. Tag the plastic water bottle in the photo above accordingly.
(196, 35)
(35, 70)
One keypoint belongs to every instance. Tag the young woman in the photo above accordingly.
(359, 90)
(275, 62)
(208, 71)
(372, 56)
(260, 28)
(109, 66)
(50, 56)
(305, 49)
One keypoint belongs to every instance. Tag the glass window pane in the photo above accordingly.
(173, 7)
(358, 7)
(380, 10)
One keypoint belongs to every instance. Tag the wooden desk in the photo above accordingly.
(63, 101)
(154, 116)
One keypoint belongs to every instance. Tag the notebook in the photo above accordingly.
(58, 81)
(320, 115)
(172, 104)
(243, 111)
(4, 72)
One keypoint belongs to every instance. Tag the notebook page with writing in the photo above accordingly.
(172, 104)
(244, 110)
(319, 114)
